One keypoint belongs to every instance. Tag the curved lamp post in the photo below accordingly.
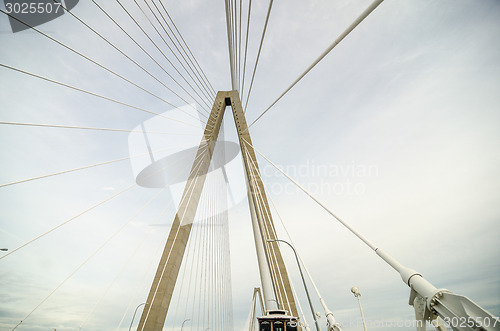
(182, 326)
(303, 280)
(135, 312)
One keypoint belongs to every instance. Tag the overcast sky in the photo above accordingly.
(397, 130)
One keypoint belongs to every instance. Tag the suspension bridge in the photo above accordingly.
(141, 188)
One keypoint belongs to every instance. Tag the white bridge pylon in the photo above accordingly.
(276, 287)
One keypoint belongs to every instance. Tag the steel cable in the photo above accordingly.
(188, 61)
(246, 47)
(92, 93)
(92, 128)
(87, 260)
(144, 50)
(90, 60)
(258, 53)
(189, 49)
(132, 60)
(80, 168)
(76, 216)
(158, 48)
(201, 89)
(344, 34)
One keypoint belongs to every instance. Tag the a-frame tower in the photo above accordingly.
(274, 276)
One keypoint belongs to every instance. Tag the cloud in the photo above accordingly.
(414, 91)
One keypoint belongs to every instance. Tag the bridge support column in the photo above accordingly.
(160, 295)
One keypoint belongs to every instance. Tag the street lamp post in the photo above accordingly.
(303, 281)
(135, 312)
(182, 326)
(356, 293)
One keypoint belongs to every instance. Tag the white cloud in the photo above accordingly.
(414, 90)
